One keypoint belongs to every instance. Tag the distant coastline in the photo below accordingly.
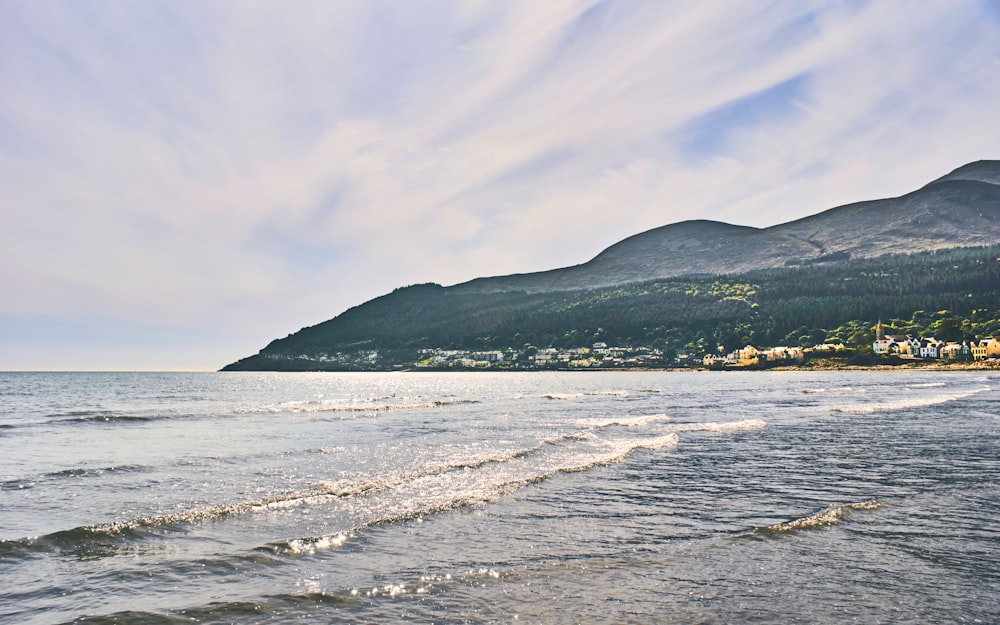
(978, 365)
(916, 365)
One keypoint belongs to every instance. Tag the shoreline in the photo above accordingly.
(930, 366)
(909, 366)
(819, 364)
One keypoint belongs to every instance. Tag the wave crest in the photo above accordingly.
(831, 515)
(473, 497)
(367, 408)
(562, 395)
(470, 481)
(108, 417)
(746, 424)
(604, 393)
(627, 422)
(903, 404)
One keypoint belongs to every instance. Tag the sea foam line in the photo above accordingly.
(331, 407)
(473, 488)
(831, 515)
(470, 495)
(324, 493)
(605, 393)
(838, 389)
(562, 395)
(627, 422)
(908, 403)
(711, 426)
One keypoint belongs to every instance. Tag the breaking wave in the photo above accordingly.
(831, 515)
(627, 422)
(406, 495)
(476, 496)
(840, 389)
(746, 424)
(107, 417)
(907, 403)
(605, 393)
(562, 395)
(80, 472)
(384, 407)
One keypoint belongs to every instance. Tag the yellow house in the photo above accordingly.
(992, 348)
(749, 355)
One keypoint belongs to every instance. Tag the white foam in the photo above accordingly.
(474, 478)
(613, 452)
(370, 407)
(339, 406)
(746, 424)
(660, 442)
(562, 396)
(323, 493)
(838, 389)
(625, 421)
(412, 496)
(908, 402)
(830, 515)
(601, 393)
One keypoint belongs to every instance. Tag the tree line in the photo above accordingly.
(952, 294)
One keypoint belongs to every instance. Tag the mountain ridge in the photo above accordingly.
(935, 216)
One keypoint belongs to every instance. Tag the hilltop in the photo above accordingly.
(693, 285)
(960, 209)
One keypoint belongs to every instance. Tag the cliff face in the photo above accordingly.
(957, 210)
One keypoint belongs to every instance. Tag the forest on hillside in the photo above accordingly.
(952, 294)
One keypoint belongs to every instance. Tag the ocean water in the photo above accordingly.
(751, 497)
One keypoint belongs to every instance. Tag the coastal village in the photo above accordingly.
(887, 348)
(600, 356)
(908, 347)
(899, 348)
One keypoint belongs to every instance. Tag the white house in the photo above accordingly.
(930, 348)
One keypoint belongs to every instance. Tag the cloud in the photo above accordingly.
(254, 167)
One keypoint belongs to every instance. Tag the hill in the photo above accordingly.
(959, 209)
(698, 284)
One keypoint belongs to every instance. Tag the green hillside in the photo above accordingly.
(952, 293)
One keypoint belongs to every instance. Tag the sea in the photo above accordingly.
(537, 497)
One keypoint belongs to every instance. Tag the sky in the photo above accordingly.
(182, 182)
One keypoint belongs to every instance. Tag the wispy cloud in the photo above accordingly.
(243, 169)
